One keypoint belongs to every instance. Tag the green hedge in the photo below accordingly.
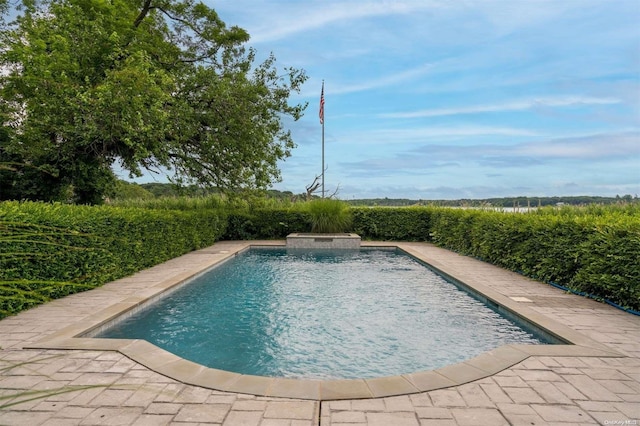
(392, 223)
(265, 224)
(593, 254)
(51, 250)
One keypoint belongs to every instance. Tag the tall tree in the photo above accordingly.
(146, 84)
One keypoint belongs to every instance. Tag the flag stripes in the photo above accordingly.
(321, 114)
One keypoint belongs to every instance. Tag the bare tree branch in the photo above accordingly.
(335, 192)
(313, 187)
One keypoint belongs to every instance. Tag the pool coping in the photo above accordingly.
(188, 372)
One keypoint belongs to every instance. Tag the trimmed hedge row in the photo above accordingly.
(48, 251)
(381, 223)
(265, 224)
(392, 223)
(51, 250)
(594, 254)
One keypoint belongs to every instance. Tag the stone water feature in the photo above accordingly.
(323, 241)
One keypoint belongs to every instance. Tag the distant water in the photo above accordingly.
(322, 314)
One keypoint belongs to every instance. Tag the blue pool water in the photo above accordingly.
(321, 314)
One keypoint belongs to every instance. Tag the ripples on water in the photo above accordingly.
(349, 314)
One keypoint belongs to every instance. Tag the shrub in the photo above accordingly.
(328, 215)
(392, 223)
(185, 203)
(592, 250)
(50, 250)
(265, 223)
(607, 261)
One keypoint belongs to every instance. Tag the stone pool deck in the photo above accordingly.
(596, 381)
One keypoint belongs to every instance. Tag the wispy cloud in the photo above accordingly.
(307, 16)
(597, 147)
(422, 134)
(522, 105)
(384, 81)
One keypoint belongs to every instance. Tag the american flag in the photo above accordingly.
(322, 105)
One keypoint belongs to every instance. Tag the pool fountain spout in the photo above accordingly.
(323, 241)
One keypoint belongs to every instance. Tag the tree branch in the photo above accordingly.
(335, 192)
(313, 187)
(182, 21)
(143, 13)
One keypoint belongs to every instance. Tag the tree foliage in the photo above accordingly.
(148, 84)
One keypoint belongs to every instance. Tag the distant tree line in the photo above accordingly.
(499, 202)
(127, 190)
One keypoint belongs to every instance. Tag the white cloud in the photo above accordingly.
(294, 18)
(410, 136)
(503, 107)
(599, 148)
(385, 81)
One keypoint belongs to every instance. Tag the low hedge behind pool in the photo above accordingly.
(50, 250)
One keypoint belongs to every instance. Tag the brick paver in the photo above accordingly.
(58, 387)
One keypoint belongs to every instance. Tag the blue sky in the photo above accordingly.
(458, 99)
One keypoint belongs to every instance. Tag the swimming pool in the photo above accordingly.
(322, 315)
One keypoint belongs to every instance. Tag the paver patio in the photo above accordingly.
(98, 387)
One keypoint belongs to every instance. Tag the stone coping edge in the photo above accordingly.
(344, 235)
(73, 337)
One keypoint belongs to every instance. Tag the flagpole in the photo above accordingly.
(322, 122)
(322, 158)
